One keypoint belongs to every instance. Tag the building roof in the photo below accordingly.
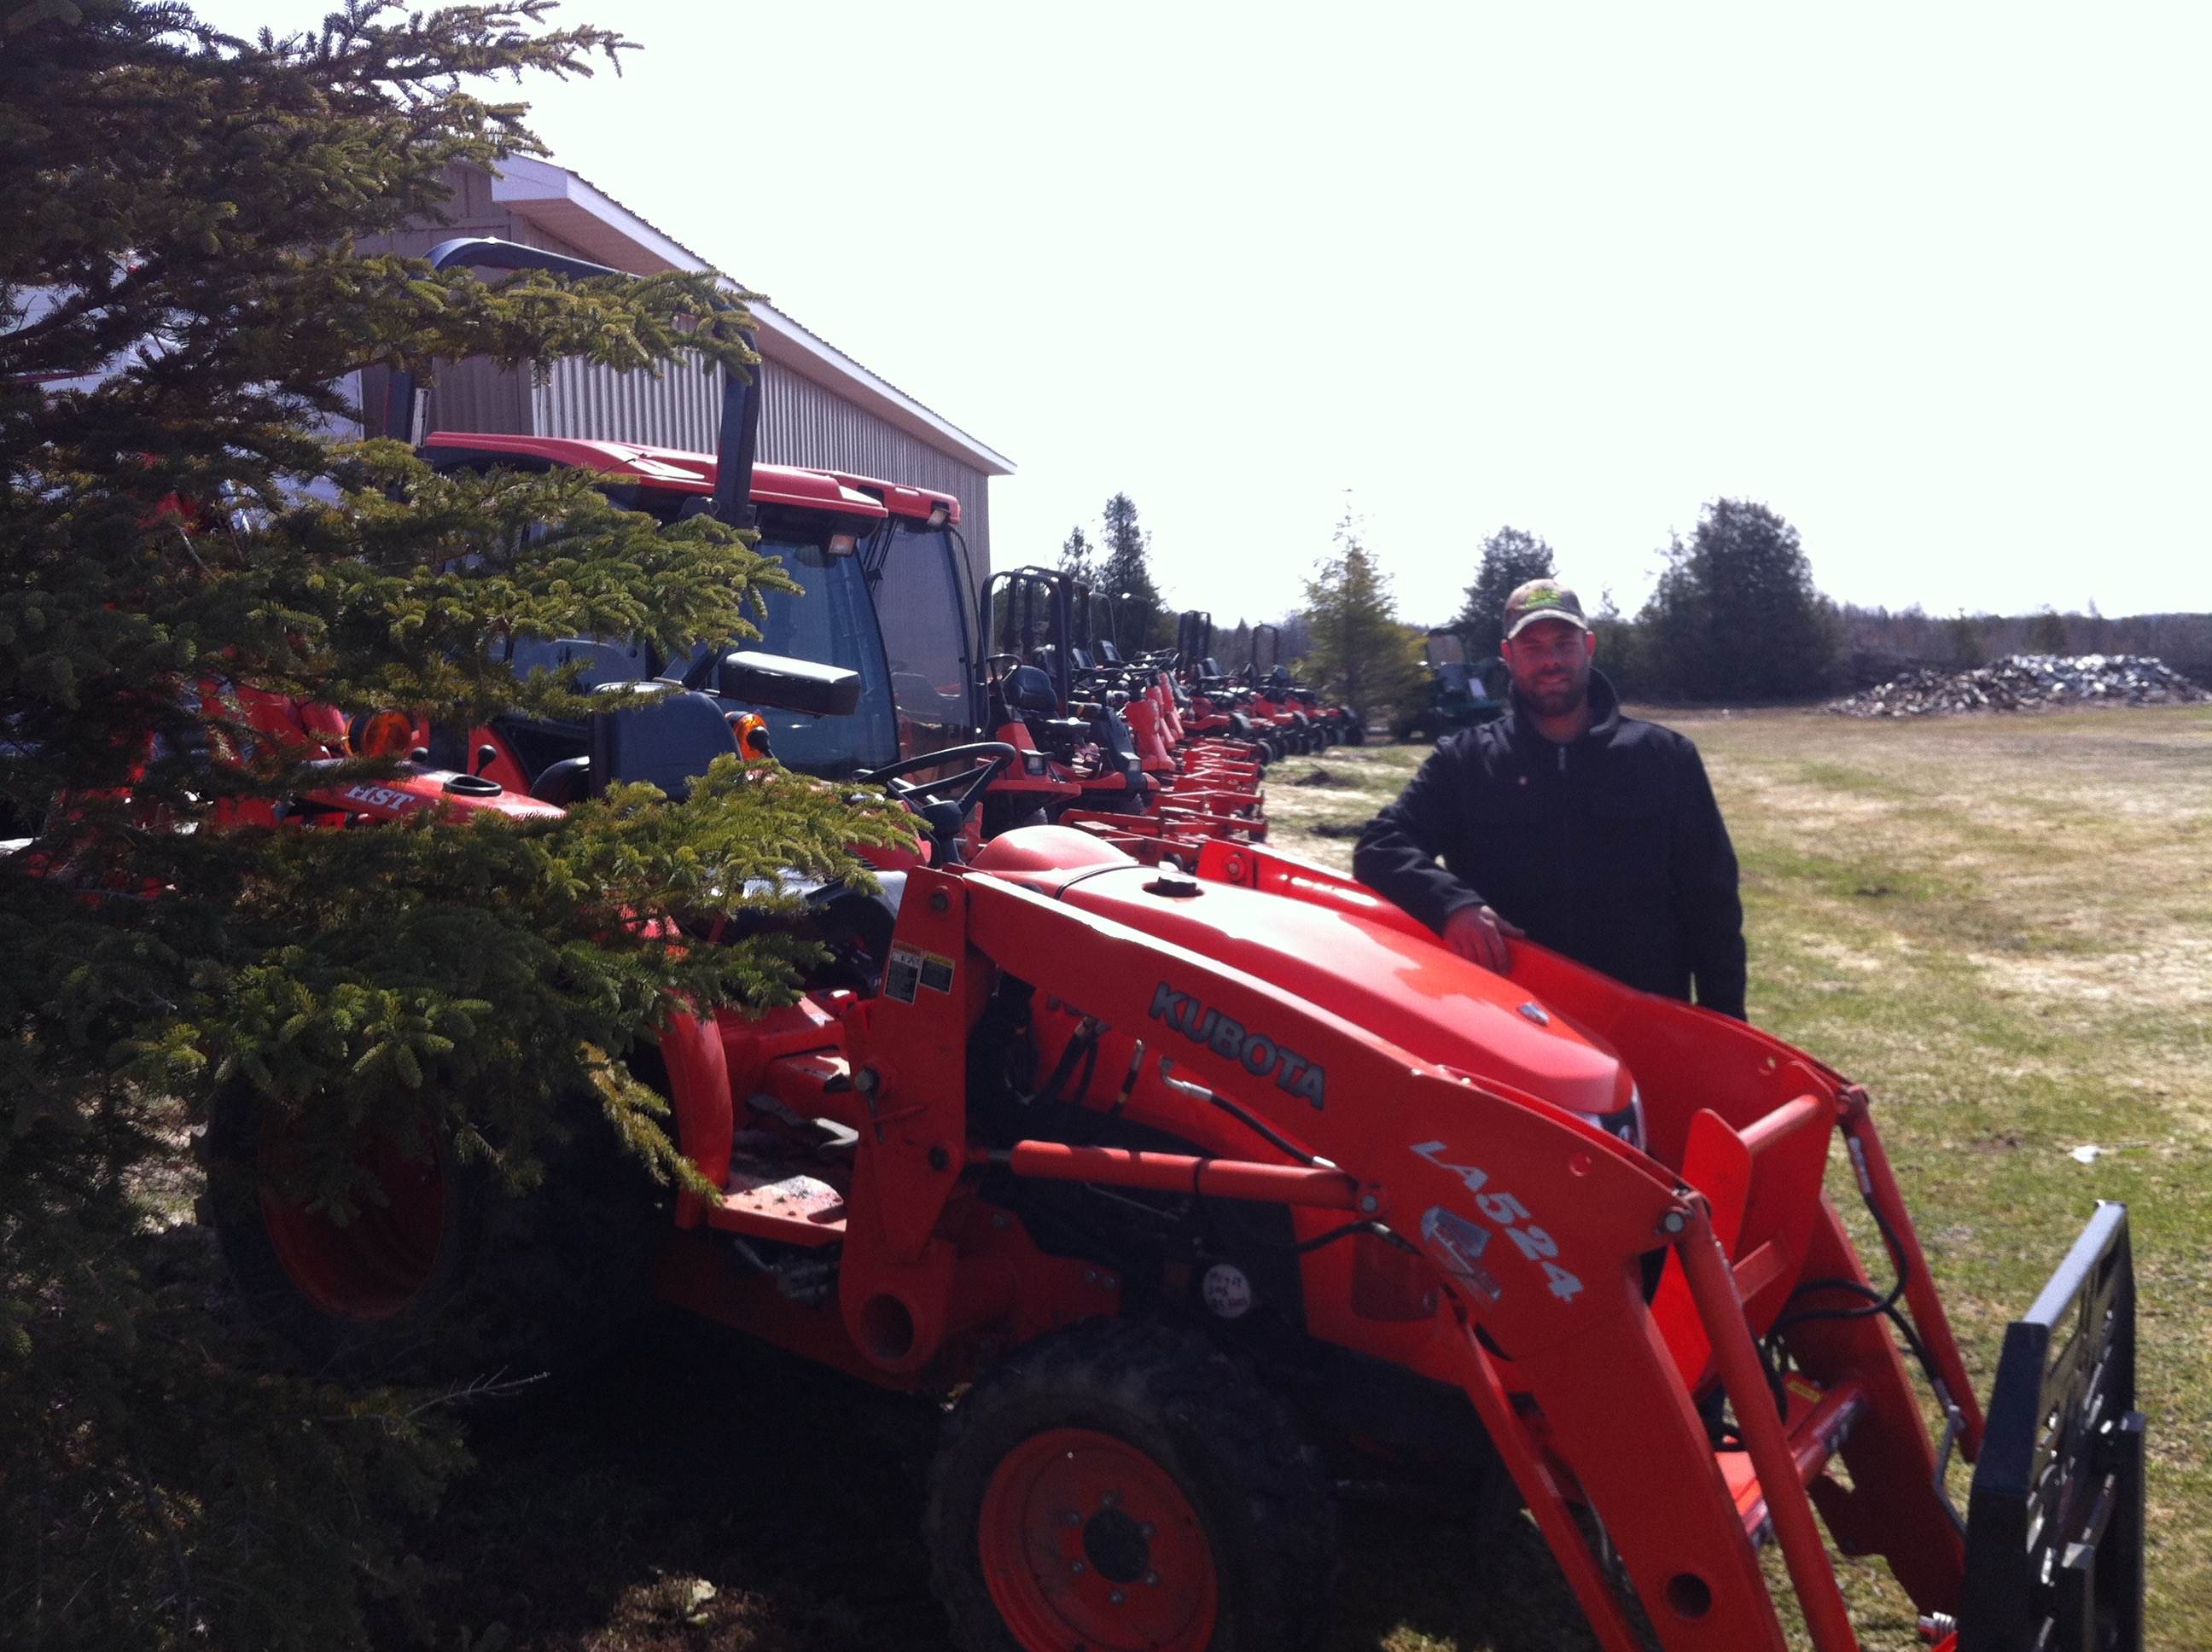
(572, 207)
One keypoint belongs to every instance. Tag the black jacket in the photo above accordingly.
(1609, 850)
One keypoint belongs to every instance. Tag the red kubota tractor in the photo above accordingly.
(882, 567)
(883, 570)
(1192, 1194)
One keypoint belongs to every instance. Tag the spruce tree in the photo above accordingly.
(1125, 576)
(1736, 615)
(179, 294)
(1510, 558)
(1358, 653)
(1075, 558)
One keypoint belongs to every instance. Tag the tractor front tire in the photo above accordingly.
(1118, 1484)
(444, 1276)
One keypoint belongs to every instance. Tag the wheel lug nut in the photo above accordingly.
(1070, 1518)
(1144, 1529)
(1079, 1568)
(1153, 1578)
(1110, 1499)
(1117, 1597)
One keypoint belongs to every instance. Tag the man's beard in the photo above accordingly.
(1557, 699)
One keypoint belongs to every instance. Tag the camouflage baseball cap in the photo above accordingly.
(1542, 599)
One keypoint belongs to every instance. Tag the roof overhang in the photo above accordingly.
(587, 218)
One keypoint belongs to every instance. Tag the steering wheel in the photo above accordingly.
(994, 756)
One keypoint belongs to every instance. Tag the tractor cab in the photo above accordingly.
(816, 526)
(1460, 694)
(860, 550)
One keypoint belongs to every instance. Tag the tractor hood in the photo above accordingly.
(1429, 1002)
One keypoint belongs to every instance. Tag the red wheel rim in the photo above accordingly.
(373, 1264)
(1089, 1545)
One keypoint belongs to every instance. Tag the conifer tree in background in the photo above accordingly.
(182, 210)
(1359, 655)
(1511, 557)
(1076, 560)
(1124, 578)
(1236, 653)
(1620, 646)
(1736, 615)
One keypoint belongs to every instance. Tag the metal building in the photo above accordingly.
(819, 406)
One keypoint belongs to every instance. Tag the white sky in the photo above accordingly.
(1931, 282)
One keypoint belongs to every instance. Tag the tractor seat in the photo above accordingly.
(563, 783)
(1029, 690)
(667, 743)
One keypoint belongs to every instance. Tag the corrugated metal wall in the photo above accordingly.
(680, 409)
(801, 421)
(802, 424)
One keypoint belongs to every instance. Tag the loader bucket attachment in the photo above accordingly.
(2055, 1521)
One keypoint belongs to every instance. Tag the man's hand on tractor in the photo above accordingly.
(1479, 933)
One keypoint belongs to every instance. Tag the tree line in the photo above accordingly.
(1735, 616)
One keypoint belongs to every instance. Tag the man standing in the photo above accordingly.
(1592, 833)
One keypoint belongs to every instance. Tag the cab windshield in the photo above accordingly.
(831, 622)
(925, 600)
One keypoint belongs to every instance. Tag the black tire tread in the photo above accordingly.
(523, 1281)
(1240, 1435)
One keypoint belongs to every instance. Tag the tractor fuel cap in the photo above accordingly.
(1174, 882)
(472, 786)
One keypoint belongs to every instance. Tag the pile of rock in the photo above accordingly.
(2028, 682)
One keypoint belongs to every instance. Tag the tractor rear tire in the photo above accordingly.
(1125, 1485)
(450, 1278)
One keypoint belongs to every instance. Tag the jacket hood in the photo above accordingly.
(1605, 713)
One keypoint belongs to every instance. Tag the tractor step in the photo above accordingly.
(1818, 1423)
(779, 1202)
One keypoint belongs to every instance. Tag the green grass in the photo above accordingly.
(2004, 928)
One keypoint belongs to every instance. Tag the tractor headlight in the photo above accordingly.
(1625, 1122)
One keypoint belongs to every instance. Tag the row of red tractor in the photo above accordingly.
(1194, 1180)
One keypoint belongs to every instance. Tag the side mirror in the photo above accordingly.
(788, 684)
